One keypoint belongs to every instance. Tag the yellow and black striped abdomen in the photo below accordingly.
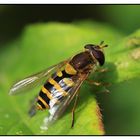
(56, 88)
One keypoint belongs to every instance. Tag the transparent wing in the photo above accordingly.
(34, 80)
(56, 111)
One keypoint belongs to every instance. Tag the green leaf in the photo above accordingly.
(121, 107)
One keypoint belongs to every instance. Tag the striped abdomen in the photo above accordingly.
(56, 88)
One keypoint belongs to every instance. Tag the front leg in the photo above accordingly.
(95, 83)
(92, 82)
(101, 70)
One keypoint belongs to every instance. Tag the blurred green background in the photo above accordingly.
(121, 113)
(13, 18)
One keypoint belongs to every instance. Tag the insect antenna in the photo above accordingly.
(102, 46)
(101, 43)
(105, 46)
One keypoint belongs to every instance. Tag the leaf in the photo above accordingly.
(40, 46)
(121, 108)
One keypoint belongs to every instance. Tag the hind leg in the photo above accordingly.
(73, 109)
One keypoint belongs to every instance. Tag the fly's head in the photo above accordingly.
(96, 52)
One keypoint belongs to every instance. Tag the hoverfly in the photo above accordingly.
(62, 82)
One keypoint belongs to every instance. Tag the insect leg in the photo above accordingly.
(105, 85)
(93, 82)
(101, 70)
(105, 90)
(73, 110)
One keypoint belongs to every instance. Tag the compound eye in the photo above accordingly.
(99, 55)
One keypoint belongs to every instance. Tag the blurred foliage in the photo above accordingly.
(124, 17)
(13, 18)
